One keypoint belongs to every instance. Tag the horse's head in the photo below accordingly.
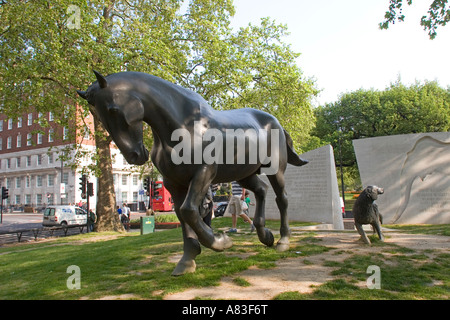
(121, 113)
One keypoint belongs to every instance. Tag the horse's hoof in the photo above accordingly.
(222, 242)
(281, 247)
(365, 240)
(267, 238)
(183, 267)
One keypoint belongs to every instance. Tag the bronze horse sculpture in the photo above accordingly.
(124, 100)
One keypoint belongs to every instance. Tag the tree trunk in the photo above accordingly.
(107, 217)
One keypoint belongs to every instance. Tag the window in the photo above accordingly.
(135, 180)
(28, 161)
(39, 138)
(39, 159)
(29, 139)
(18, 162)
(17, 198)
(135, 196)
(124, 180)
(30, 119)
(50, 158)
(1, 125)
(50, 135)
(38, 181)
(9, 143)
(10, 124)
(19, 140)
(65, 178)
(1, 143)
(50, 198)
(8, 163)
(39, 199)
(19, 122)
(50, 116)
(8, 183)
(51, 180)
(28, 199)
(27, 182)
(65, 133)
(125, 197)
(86, 133)
(18, 182)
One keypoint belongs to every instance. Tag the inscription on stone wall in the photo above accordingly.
(312, 190)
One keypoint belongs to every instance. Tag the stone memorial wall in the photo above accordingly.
(414, 171)
(312, 191)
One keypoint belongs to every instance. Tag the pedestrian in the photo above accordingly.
(125, 221)
(126, 211)
(119, 211)
(247, 202)
(236, 206)
(92, 219)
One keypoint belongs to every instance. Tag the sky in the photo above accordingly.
(343, 49)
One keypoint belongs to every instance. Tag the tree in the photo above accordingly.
(370, 113)
(255, 68)
(438, 15)
(49, 49)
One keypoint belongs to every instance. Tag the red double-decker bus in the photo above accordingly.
(161, 200)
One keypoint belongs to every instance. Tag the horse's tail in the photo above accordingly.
(293, 157)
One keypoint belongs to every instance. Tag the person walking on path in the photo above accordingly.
(236, 206)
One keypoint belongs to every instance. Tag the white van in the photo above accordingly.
(64, 215)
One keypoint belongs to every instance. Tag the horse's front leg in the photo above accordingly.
(191, 246)
(189, 211)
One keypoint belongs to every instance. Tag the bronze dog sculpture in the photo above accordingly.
(123, 101)
(365, 211)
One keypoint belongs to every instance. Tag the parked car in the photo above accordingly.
(219, 208)
(63, 215)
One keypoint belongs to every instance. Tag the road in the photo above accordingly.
(14, 221)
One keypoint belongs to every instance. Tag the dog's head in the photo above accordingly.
(372, 192)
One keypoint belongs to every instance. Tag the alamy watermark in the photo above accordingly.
(74, 280)
(74, 19)
(374, 281)
(230, 146)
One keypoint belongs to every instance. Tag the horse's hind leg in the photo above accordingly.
(259, 188)
(277, 182)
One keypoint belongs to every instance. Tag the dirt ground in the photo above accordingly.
(293, 274)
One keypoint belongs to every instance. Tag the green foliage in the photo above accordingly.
(370, 113)
(438, 15)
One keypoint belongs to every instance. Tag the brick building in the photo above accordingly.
(32, 169)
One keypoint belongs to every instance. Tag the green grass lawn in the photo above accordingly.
(113, 264)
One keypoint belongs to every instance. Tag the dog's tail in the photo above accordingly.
(293, 157)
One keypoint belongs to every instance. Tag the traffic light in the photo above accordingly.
(83, 181)
(147, 185)
(5, 193)
(90, 189)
